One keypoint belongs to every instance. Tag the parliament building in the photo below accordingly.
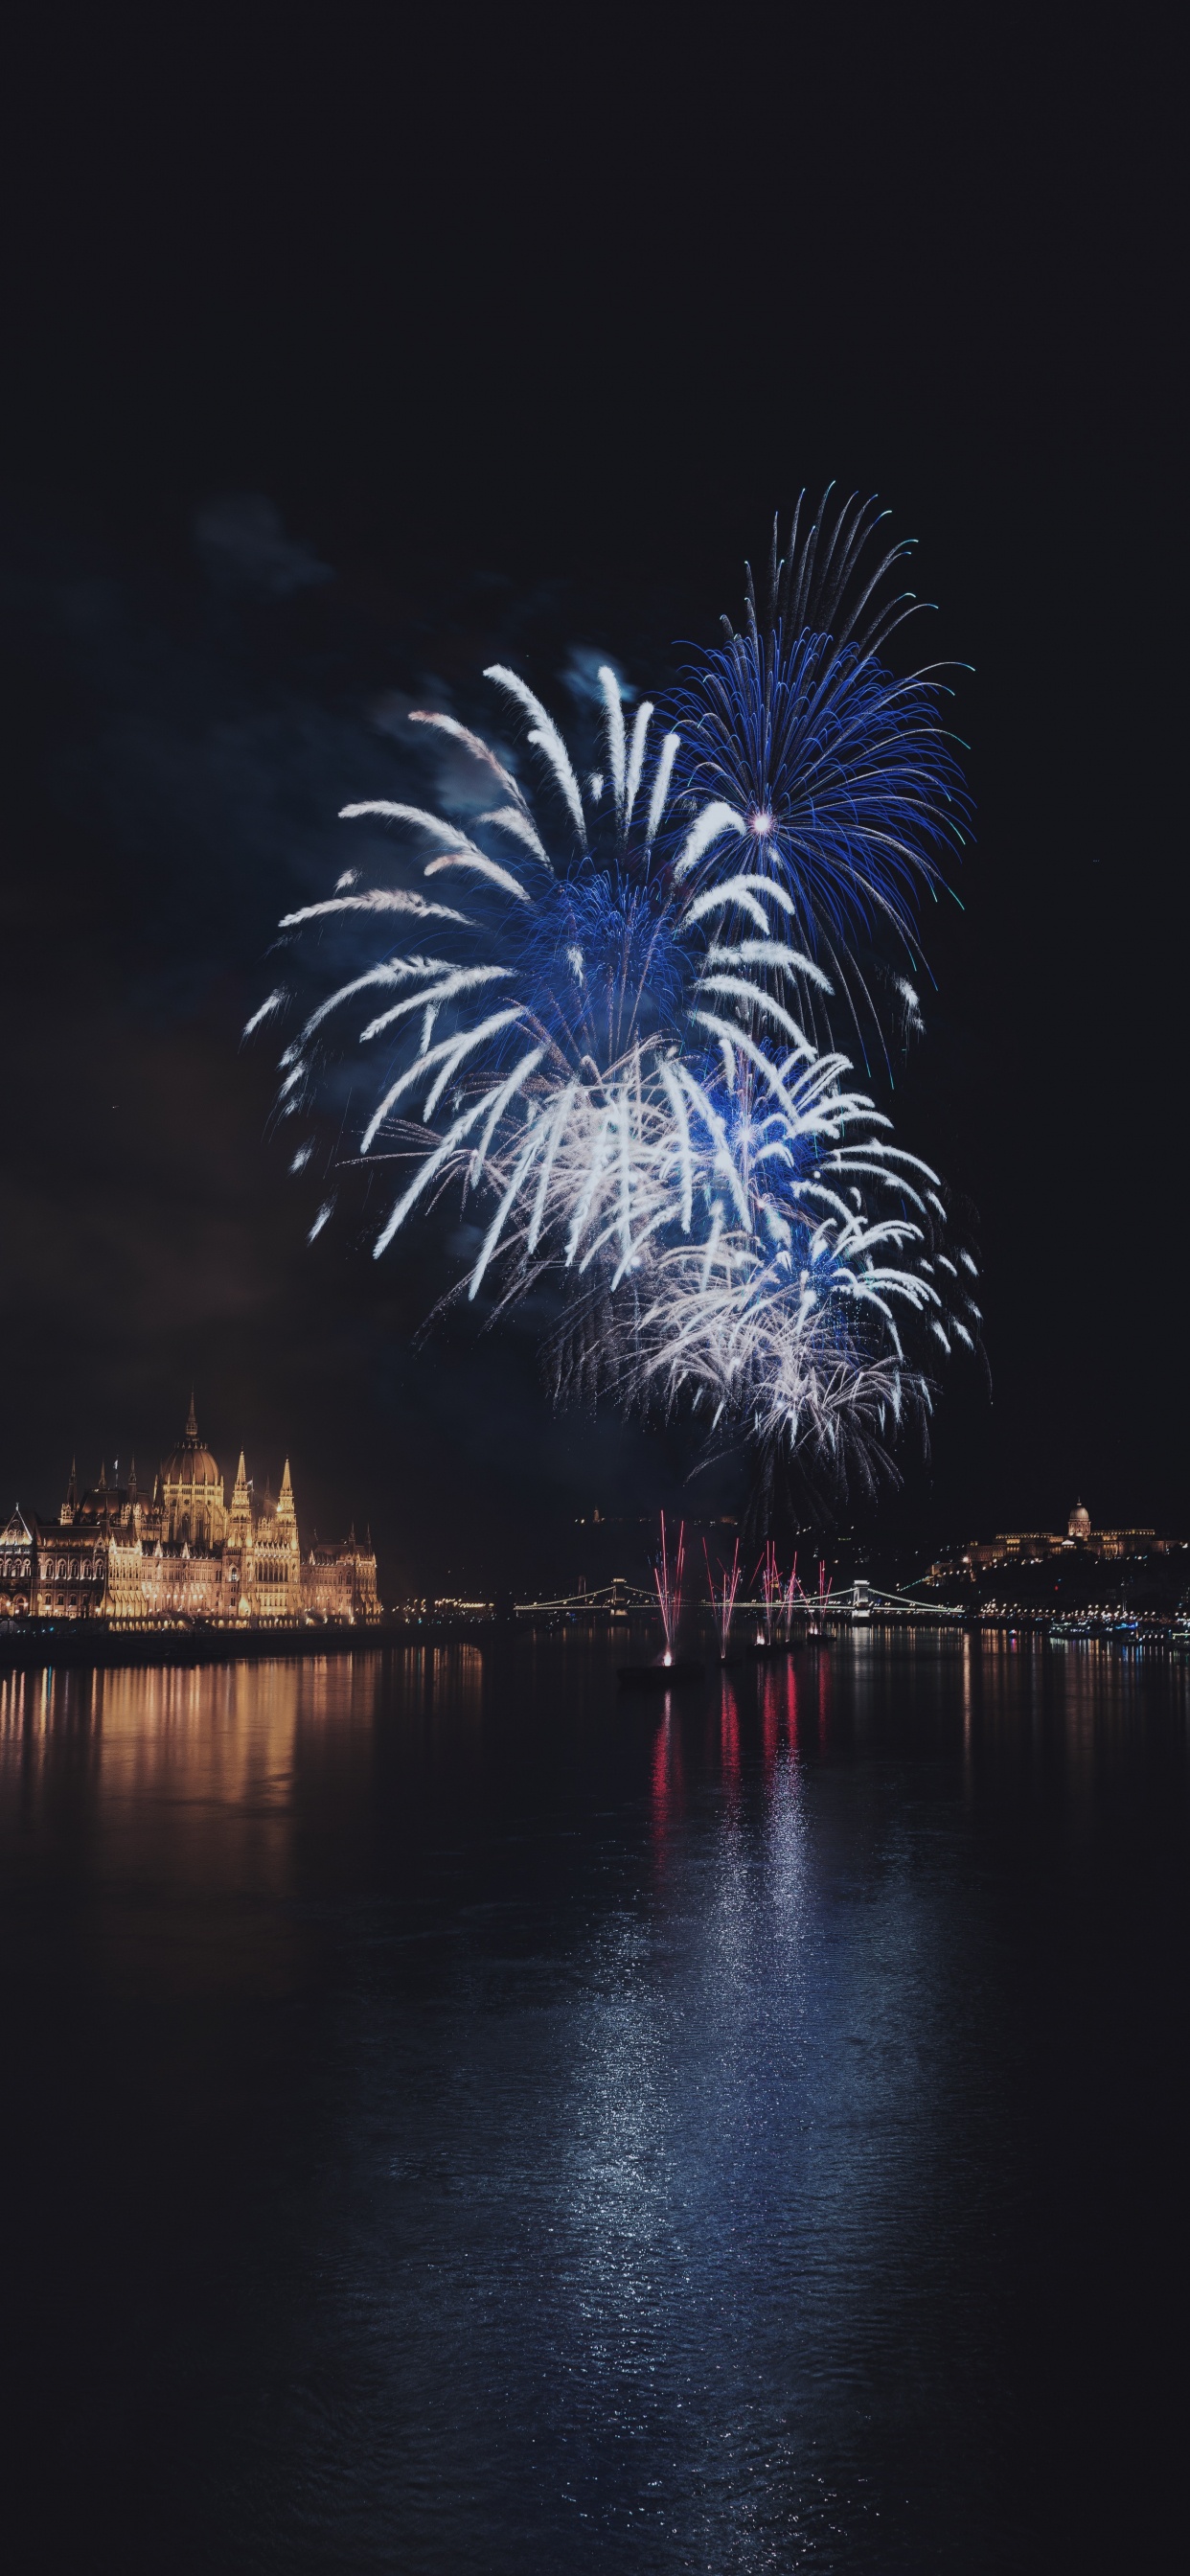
(182, 1554)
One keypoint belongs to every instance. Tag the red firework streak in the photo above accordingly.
(669, 1586)
(771, 1587)
(723, 1599)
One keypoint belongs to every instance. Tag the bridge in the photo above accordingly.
(614, 1600)
(854, 1605)
(858, 1603)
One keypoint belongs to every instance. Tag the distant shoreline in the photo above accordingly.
(42, 1645)
(35, 1646)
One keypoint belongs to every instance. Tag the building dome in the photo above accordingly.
(1079, 1523)
(190, 1463)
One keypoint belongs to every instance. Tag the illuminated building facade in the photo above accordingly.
(1023, 1547)
(182, 1554)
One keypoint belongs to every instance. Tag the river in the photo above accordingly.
(461, 2118)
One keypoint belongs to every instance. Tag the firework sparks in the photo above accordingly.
(840, 774)
(607, 1047)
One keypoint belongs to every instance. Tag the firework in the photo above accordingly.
(723, 1596)
(594, 1036)
(800, 1327)
(667, 1577)
(837, 777)
(770, 1592)
(599, 1014)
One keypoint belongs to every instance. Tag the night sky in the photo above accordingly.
(343, 358)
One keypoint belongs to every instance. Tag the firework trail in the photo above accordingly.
(668, 1580)
(723, 1596)
(771, 1589)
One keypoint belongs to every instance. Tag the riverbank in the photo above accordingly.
(52, 1643)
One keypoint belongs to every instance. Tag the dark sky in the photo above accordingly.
(342, 356)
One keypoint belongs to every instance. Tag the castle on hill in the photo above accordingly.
(1031, 1547)
(181, 1553)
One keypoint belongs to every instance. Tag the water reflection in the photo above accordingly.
(540, 2130)
(729, 1743)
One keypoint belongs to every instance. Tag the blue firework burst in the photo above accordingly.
(842, 773)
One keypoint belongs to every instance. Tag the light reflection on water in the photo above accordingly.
(472, 2122)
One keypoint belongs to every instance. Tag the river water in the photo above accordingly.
(460, 2119)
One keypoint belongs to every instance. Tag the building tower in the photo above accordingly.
(238, 1566)
(286, 1529)
(193, 1491)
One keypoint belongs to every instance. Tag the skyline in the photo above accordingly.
(592, 1537)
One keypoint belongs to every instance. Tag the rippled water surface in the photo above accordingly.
(457, 2119)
